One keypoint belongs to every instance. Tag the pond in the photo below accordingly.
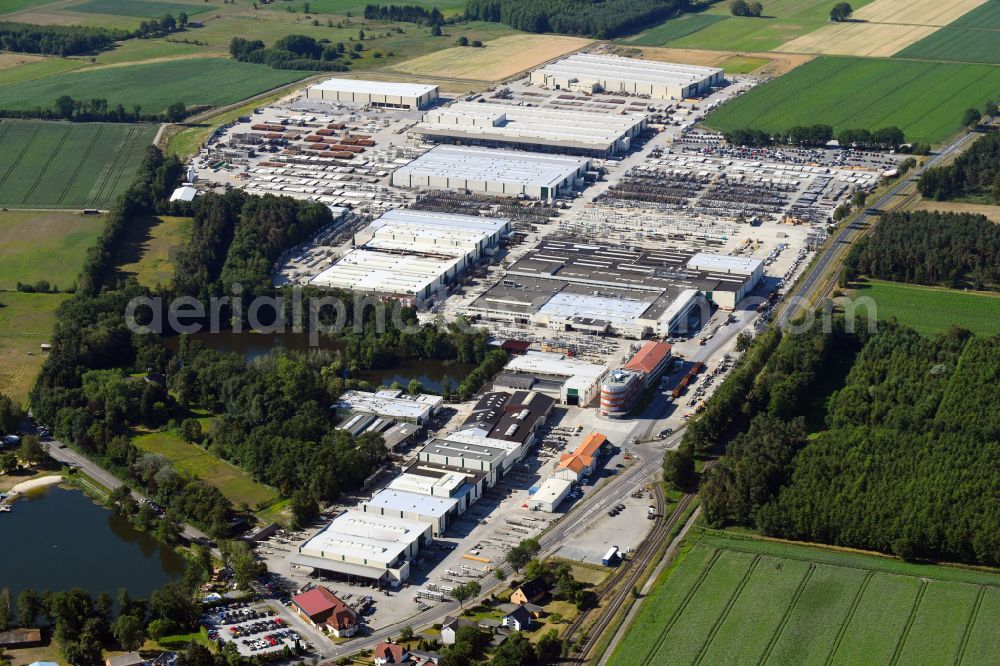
(56, 538)
(433, 374)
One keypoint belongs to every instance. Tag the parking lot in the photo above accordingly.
(254, 628)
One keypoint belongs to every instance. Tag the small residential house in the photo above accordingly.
(390, 653)
(324, 610)
(530, 591)
(518, 619)
(450, 626)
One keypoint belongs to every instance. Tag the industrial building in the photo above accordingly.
(623, 388)
(569, 380)
(550, 495)
(512, 417)
(369, 545)
(374, 93)
(438, 512)
(581, 463)
(585, 72)
(413, 255)
(389, 404)
(652, 359)
(531, 128)
(468, 455)
(498, 172)
(603, 290)
(427, 478)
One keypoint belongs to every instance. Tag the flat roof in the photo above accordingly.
(456, 449)
(368, 536)
(390, 88)
(604, 67)
(551, 490)
(349, 568)
(480, 164)
(553, 363)
(389, 403)
(401, 500)
(724, 263)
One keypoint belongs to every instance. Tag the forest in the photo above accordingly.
(904, 464)
(974, 173)
(930, 248)
(603, 19)
(404, 13)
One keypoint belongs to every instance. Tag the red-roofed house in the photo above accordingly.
(390, 653)
(583, 461)
(324, 610)
(651, 360)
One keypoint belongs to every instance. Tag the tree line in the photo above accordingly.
(404, 14)
(96, 109)
(817, 136)
(68, 40)
(931, 248)
(611, 18)
(295, 52)
(974, 173)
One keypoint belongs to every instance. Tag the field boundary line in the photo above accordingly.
(733, 598)
(20, 156)
(969, 625)
(909, 624)
(788, 613)
(850, 616)
(41, 172)
(680, 609)
(83, 159)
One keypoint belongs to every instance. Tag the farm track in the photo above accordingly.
(909, 624)
(788, 613)
(41, 172)
(850, 616)
(83, 158)
(725, 611)
(20, 155)
(973, 616)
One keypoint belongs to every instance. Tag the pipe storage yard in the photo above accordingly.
(374, 93)
(532, 128)
(592, 73)
(501, 172)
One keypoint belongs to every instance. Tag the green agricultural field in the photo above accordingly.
(675, 28)
(44, 245)
(37, 70)
(150, 246)
(194, 461)
(782, 21)
(12, 6)
(738, 600)
(154, 86)
(924, 99)
(932, 310)
(139, 8)
(62, 165)
(974, 37)
(26, 322)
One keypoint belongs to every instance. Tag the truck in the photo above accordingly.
(651, 512)
(612, 557)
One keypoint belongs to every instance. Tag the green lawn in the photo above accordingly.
(675, 28)
(974, 37)
(924, 99)
(154, 86)
(140, 8)
(44, 245)
(782, 21)
(150, 246)
(193, 460)
(931, 310)
(737, 600)
(64, 165)
(26, 321)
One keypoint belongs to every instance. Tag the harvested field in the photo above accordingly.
(743, 601)
(62, 165)
(882, 28)
(991, 212)
(44, 245)
(497, 60)
(8, 60)
(775, 64)
(848, 93)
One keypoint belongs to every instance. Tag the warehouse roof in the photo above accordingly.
(376, 87)
(401, 500)
(723, 263)
(390, 402)
(591, 66)
(479, 164)
(493, 455)
(560, 365)
(552, 490)
(369, 536)
(385, 272)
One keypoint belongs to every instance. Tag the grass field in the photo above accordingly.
(931, 310)
(193, 460)
(496, 60)
(44, 245)
(12, 6)
(923, 99)
(63, 165)
(675, 28)
(26, 321)
(150, 246)
(882, 28)
(140, 8)
(39, 69)
(973, 37)
(990, 211)
(782, 21)
(154, 86)
(741, 601)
